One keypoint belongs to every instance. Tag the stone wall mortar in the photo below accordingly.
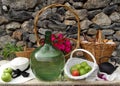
(17, 16)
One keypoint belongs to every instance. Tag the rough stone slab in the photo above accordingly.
(92, 4)
(3, 19)
(102, 19)
(20, 4)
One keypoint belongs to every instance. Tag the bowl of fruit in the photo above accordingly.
(78, 68)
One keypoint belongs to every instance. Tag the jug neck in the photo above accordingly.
(48, 37)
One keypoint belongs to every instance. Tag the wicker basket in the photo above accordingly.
(76, 41)
(72, 61)
(26, 53)
(99, 49)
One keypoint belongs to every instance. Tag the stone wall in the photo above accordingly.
(17, 16)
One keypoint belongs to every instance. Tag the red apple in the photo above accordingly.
(75, 73)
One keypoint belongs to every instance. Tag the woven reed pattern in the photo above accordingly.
(99, 50)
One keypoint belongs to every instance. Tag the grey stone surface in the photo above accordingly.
(108, 32)
(19, 16)
(32, 38)
(42, 30)
(117, 35)
(5, 39)
(114, 53)
(92, 4)
(27, 26)
(118, 47)
(91, 14)
(110, 9)
(0, 8)
(115, 2)
(20, 4)
(69, 22)
(102, 19)
(116, 28)
(20, 43)
(118, 54)
(77, 5)
(115, 17)
(81, 13)
(56, 1)
(2, 30)
(3, 19)
(85, 24)
(13, 26)
(92, 31)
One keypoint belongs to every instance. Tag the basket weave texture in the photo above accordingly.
(99, 49)
(26, 53)
(73, 60)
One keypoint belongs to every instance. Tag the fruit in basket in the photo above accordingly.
(6, 77)
(82, 68)
(88, 68)
(8, 70)
(78, 66)
(73, 68)
(82, 71)
(83, 64)
(75, 73)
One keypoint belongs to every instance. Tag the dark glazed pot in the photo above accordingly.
(107, 67)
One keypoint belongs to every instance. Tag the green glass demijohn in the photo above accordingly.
(46, 61)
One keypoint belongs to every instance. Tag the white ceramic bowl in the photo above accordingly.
(20, 63)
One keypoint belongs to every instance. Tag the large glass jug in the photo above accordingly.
(46, 61)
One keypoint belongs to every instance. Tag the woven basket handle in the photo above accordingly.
(99, 38)
(51, 6)
(83, 50)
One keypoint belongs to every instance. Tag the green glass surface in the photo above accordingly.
(46, 61)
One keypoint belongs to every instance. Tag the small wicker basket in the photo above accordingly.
(72, 61)
(26, 53)
(99, 48)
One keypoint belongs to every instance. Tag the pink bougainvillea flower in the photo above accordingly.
(61, 43)
(60, 36)
(67, 50)
(67, 42)
(53, 37)
(62, 47)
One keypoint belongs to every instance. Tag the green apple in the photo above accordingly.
(6, 77)
(8, 70)
(73, 68)
(83, 64)
(78, 66)
(82, 71)
(88, 68)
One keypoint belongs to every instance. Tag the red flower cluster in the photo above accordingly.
(62, 43)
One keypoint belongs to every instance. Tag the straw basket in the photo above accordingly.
(99, 48)
(76, 41)
(72, 61)
(26, 53)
